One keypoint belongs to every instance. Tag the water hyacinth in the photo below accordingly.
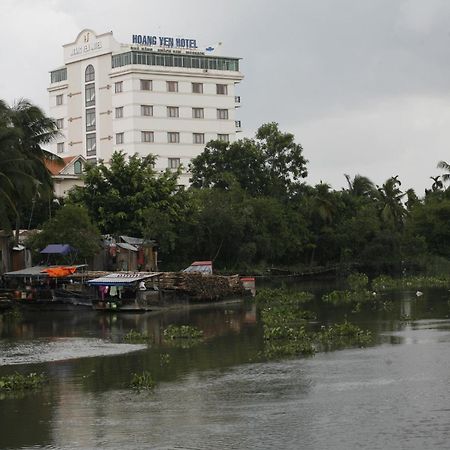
(142, 381)
(182, 332)
(136, 337)
(19, 382)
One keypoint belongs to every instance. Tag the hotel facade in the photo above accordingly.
(157, 95)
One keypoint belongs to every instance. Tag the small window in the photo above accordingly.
(60, 147)
(223, 137)
(59, 99)
(174, 163)
(199, 138)
(173, 137)
(198, 113)
(90, 119)
(146, 110)
(173, 111)
(77, 167)
(146, 85)
(118, 87)
(89, 74)
(222, 89)
(119, 138)
(172, 86)
(89, 94)
(147, 136)
(60, 124)
(91, 145)
(197, 88)
(222, 113)
(119, 112)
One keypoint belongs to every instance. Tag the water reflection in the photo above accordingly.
(219, 394)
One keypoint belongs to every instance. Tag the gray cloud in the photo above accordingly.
(363, 84)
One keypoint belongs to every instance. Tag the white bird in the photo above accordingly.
(419, 294)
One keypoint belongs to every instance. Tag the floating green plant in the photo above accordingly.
(267, 297)
(19, 382)
(182, 332)
(142, 381)
(384, 282)
(344, 334)
(136, 337)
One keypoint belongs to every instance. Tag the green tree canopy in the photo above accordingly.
(70, 225)
(271, 164)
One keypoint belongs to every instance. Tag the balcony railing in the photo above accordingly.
(238, 125)
(237, 101)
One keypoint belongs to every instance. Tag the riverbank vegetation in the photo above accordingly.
(19, 382)
(249, 207)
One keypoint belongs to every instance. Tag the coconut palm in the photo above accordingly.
(23, 173)
(360, 186)
(391, 208)
(444, 166)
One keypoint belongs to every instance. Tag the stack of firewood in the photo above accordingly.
(202, 287)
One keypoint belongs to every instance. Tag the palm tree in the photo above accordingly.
(360, 186)
(23, 173)
(444, 166)
(390, 196)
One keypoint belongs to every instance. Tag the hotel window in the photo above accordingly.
(199, 138)
(173, 111)
(222, 113)
(221, 89)
(91, 146)
(147, 136)
(119, 138)
(173, 137)
(146, 85)
(172, 86)
(198, 113)
(60, 124)
(59, 99)
(90, 119)
(174, 163)
(118, 87)
(89, 93)
(223, 137)
(89, 74)
(60, 147)
(146, 110)
(119, 112)
(77, 167)
(197, 88)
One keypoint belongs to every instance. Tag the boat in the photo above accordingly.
(125, 291)
(49, 288)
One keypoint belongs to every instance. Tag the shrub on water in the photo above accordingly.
(142, 381)
(182, 332)
(136, 337)
(19, 382)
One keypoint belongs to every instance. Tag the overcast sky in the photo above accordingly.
(364, 85)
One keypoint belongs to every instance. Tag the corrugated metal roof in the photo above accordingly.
(132, 240)
(122, 279)
(126, 246)
(35, 271)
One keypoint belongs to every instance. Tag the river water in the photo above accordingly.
(221, 394)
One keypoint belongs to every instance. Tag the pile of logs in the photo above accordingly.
(202, 287)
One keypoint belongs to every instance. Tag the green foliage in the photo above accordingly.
(182, 332)
(20, 382)
(142, 381)
(343, 335)
(384, 282)
(270, 165)
(358, 281)
(24, 128)
(70, 225)
(270, 297)
(136, 337)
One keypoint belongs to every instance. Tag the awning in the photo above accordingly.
(122, 279)
(60, 271)
(58, 249)
(126, 246)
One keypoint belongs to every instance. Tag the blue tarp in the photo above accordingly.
(58, 249)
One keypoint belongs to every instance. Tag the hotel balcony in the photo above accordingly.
(238, 125)
(237, 101)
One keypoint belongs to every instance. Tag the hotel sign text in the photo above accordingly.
(163, 41)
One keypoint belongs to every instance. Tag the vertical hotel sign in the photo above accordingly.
(88, 44)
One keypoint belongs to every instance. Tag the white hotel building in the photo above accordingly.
(156, 95)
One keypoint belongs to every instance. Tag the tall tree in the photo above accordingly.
(24, 128)
(271, 164)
